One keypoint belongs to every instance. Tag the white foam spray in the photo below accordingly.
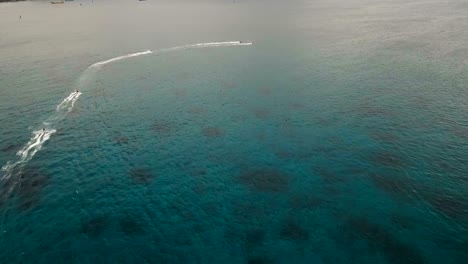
(102, 63)
(208, 45)
(39, 137)
(69, 101)
(190, 46)
(33, 146)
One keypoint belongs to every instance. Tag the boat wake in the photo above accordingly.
(40, 136)
(102, 63)
(183, 47)
(69, 102)
(208, 45)
(30, 149)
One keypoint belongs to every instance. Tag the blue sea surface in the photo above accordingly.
(339, 136)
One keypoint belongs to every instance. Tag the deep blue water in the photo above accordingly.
(340, 136)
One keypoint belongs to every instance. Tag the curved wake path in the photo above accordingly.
(102, 63)
(184, 47)
(39, 137)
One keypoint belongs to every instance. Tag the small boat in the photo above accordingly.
(56, 2)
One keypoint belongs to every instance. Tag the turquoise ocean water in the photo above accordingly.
(339, 136)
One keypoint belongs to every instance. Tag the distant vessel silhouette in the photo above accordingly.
(56, 2)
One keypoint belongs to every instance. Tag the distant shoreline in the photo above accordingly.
(3, 1)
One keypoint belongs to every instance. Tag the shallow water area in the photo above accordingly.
(339, 136)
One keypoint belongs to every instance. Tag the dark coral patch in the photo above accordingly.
(60, 132)
(94, 227)
(130, 226)
(332, 191)
(261, 136)
(141, 175)
(388, 159)
(367, 110)
(330, 177)
(284, 154)
(180, 93)
(181, 207)
(5, 188)
(249, 210)
(200, 188)
(264, 91)
(198, 172)
(261, 113)
(212, 209)
(449, 205)
(74, 112)
(162, 127)
(121, 140)
(291, 230)
(288, 132)
(379, 238)
(334, 140)
(212, 132)
(325, 121)
(260, 260)
(390, 184)
(297, 105)
(265, 180)
(232, 235)
(255, 237)
(29, 187)
(384, 136)
(9, 148)
(183, 75)
(421, 102)
(228, 85)
(402, 222)
(460, 131)
(305, 202)
(197, 110)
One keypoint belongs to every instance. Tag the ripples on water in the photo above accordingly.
(340, 136)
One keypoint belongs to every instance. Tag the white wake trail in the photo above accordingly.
(102, 63)
(72, 102)
(208, 45)
(34, 144)
(39, 137)
(29, 150)
(66, 102)
(190, 46)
